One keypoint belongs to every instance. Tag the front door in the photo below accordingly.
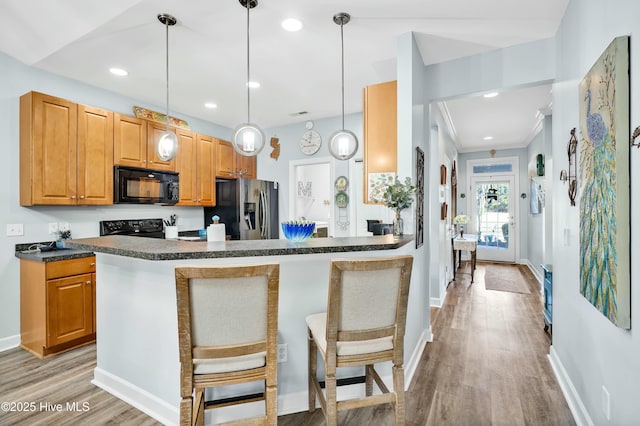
(492, 217)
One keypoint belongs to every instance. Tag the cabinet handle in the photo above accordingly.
(144, 161)
(92, 264)
(82, 197)
(151, 161)
(73, 197)
(88, 282)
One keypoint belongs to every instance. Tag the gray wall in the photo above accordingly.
(593, 352)
(535, 222)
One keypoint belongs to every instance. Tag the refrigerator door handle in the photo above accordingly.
(263, 214)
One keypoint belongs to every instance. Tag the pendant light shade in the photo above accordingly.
(343, 144)
(248, 138)
(167, 147)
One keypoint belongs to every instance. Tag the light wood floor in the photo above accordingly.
(486, 366)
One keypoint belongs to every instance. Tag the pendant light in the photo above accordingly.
(343, 144)
(168, 143)
(248, 138)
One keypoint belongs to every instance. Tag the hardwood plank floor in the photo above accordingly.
(487, 365)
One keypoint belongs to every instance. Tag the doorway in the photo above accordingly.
(311, 192)
(493, 208)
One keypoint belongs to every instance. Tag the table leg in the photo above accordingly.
(473, 264)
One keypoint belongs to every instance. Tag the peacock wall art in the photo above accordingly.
(604, 184)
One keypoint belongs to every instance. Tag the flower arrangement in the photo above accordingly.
(461, 219)
(399, 196)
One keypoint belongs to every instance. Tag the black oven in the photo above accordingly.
(144, 186)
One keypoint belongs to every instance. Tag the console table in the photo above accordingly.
(468, 242)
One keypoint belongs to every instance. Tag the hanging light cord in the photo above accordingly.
(166, 24)
(342, 48)
(248, 75)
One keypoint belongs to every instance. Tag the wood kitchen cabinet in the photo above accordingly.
(380, 131)
(225, 159)
(246, 166)
(196, 164)
(231, 164)
(66, 152)
(57, 304)
(135, 143)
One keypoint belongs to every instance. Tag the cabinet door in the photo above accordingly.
(380, 131)
(186, 167)
(225, 159)
(246, 166)
(154, 132)
(95, 156)
(69, 308)
(205, 171)
(129, 141)
(53, 152)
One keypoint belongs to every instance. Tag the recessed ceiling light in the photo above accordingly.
(253, 84)
(490, 95)
(292, 25)
(118, 71)
(488, 138)
(210, 105)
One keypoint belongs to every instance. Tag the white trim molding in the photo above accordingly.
(10, 342)
(579, 411)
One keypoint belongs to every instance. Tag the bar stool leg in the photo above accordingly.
(313, 367)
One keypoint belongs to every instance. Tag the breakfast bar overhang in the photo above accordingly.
(137, 340)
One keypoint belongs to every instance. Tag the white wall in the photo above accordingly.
(593, 352)
(16, 80)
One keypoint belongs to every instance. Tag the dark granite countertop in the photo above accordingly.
(28, 252)
(159, 249)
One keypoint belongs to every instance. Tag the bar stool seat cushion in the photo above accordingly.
(226, 365)
(317, 323)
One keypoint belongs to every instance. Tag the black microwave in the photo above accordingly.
(144, 186)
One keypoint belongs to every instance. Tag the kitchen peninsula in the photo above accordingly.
(137, 341)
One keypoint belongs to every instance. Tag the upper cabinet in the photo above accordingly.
(231, 164)
(246, 166)
(225, 159)
(66, 152)
(154, 132)
(196, 164)
(130, 141)
(135, 143)
(380, 130)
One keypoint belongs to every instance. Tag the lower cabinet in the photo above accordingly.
(57, 304)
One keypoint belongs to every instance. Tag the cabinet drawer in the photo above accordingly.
(66, 268)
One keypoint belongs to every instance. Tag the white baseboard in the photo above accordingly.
(10, 342)
(136, 397)
(579, 411)
(536, 273)
(287, 404)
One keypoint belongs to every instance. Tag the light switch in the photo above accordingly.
(15, 229)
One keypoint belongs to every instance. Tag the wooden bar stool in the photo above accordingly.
(227, 332)
(364, 324)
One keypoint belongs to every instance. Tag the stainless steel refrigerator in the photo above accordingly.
(247, 207)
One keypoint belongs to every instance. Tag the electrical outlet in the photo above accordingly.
(282, 352)
(606, 403)
(15, 229)
(63, 226)
(53, 227)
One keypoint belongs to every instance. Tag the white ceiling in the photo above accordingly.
(297, 71)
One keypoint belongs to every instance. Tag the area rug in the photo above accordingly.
(505, 278)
